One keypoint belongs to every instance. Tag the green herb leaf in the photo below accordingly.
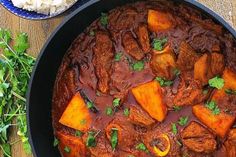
(114, 138)
(213, 107)
(104, 19)
(109, 111)
(141, 146)
(116, 102)
(163, 82)
(21, 43)
(158, 44)
(230, 92)
(92, 33)
(177, 108)
(216, 82)
(118, 57)
(67, 149)
(177, 72)
(90, 104)
(55, 142)
(78, 133)
(183, 121)
(174, 128)
(91, 140)
(138, 66)
(126, 112)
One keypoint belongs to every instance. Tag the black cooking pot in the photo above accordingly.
(42, 81)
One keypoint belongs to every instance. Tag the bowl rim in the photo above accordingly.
(44, 16)
(192, 3)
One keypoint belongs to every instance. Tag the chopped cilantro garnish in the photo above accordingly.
(177, 108)
(91, 139)
(174, 128)
(67, 149)
(104, 19)
(116, 102)
(230, 92)
(141, 146)
(216, 82)
(92, 33)
(55, 142)
(109, 111)
(183, 121)
(213, 107)
(138, 66)
(158, 44)
(78, 133)
(90, 104)
(126, 112)
(114, 138)
(118, 57)
(163, 82)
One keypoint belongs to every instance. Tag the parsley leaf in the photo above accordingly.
(126, 112)
(114, 138)
(15, 69)
(91, 140)
(109, 111)
(141, 146)
(138, 66)
(216, 82)
(116, 102)
(183, 121)
(177, 108)
(55, 142)
(174, 128)
(67, 149)
(158, 44)
(230, 92)
(118, 57)
(163, 82)
(90, 104)
(104, 19)
(78, 133)
(213, 107)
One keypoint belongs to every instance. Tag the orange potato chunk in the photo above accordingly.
(76, 115)
(220, 123)
(230, 79)
(149, 96)
(74, 144)
(159, 21)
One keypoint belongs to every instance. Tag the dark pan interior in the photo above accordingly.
(44, 74)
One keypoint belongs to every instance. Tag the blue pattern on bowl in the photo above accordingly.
(33, 15)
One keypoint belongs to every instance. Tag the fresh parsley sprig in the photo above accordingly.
(15, 69)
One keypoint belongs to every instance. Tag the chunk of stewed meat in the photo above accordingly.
(126, 133)
(189, 91)
(187, 57)
(139, 116)
(164, 64)
(122, 19)
(198, 139)
(103, 55)
(208, 66)
(143, 37)
(131, 46)
(230, 144)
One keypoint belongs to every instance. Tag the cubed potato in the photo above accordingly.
(149, 96)
(220, 123)
(75, 146)
(202, 69)
(77, 114)
(230, 79)
(163, 64)
(159, 21)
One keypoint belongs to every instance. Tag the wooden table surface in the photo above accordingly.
(39, 31)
